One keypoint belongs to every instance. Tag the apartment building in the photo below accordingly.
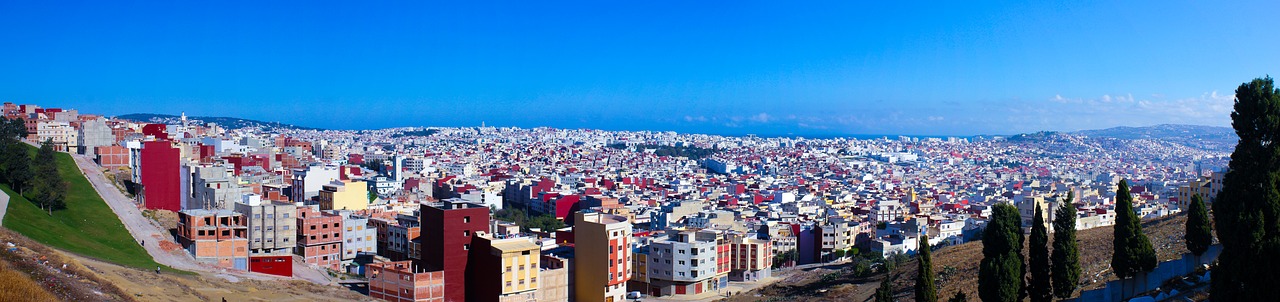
(92, 134)
(402, 281)
(158, 173)
(686, 263)
(507, 270)
(751, 258)
(357, 236)
(63, 136)
(216, 236)
(449, 231)
(272, 225)
(319, 238)
(215, 187)
(308, 182)
(602, 249)
(344, 195)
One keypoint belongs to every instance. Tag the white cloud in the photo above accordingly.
(761, 118)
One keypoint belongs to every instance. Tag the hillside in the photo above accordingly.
(957, 267)
(225, 122)
(1196, 136)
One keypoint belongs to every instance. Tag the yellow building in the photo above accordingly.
(519, 269)
(344, 195)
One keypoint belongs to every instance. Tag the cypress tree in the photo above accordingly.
(1133, 253)
(1066, 254)
(1001, 273)
(1199, 234)
(1039, 288)
(18, 168)
(884, 293)
(50, 190)
(926, 291)
(1247, 209)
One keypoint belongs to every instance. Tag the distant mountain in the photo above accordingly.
(225, 122)
(1203, 137)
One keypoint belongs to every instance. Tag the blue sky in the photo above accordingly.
(737, 67)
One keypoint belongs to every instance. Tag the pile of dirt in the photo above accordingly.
(957, 268)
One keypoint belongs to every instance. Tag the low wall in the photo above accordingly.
(1120, 290)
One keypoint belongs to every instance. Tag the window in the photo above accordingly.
(466, 247)
(286, 215)
(466, 233)
(466, 219)
(508, 268)
(286, 228)
(681, 262)
(271, 216)
(257, 216)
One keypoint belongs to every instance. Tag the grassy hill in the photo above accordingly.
(957, 269)
(87, 227)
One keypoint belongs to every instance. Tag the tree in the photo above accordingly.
(1039, 288)
(1247, 209)
(372, 195)
(926, 291)
(884, 293)
(49, 188)
(1133, 253)
(1199, 234)
(959, 297)
(17, 165)
(1000, 275)
(1066, 253)
(13, 128)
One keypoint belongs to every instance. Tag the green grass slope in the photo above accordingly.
(86, 227)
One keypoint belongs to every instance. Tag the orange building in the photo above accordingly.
(320, 238)
(112, 156)
(218, 236)
(401, 281)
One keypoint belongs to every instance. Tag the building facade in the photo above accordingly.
(319, 238)
(449, 231)
(602, 249)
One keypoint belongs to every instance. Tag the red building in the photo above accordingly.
(158, 163)
(272, 265)
(157, 130)
(320, 238)
(448, 232)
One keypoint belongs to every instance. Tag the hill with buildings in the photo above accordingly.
(225, 122)
(1195, 136)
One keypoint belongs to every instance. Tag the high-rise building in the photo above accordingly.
(602, 248)
(449, 232)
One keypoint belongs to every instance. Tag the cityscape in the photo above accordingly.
(670, 152)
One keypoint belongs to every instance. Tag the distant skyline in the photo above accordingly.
(730, 68)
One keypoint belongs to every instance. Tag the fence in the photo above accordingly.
(1119, 290)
